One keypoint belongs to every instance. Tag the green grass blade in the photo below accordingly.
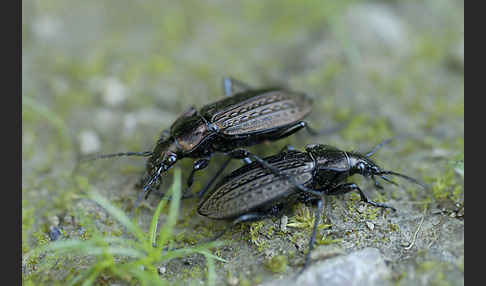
(121, 251)
(175, 191)
(93, 273)
(86, 247)
(81, 277)
(181, 252)
(210, 255)
(211, 271)
(155, 221)
(113, 240)
(118, 215)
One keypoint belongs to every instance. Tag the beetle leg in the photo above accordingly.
(313, 235)
(232, 86)
(349, 187)
(381, 144)
(289, 131)
(250, 217)
(198, 165)
(213, 179)
(302, 124)
(244, 154)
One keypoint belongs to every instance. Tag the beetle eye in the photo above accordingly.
(172, 159)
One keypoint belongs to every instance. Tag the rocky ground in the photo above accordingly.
(104, 77)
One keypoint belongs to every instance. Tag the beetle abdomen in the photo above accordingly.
(241, 192)
(267, 110)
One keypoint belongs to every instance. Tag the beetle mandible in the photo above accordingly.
(247, 116)
(264, 189)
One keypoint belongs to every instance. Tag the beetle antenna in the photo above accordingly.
(383, 143)
(388, 180)
(104, 156)
(401, 175)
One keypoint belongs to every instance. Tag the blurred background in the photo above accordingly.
(109, 76)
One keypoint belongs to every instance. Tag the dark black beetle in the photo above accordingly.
(253, 192)
(246, 117)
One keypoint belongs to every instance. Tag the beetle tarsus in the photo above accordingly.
(349, 187)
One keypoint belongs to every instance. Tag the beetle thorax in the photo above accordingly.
(332, 167)
(188, 140)
(337, 160)
(188, 132)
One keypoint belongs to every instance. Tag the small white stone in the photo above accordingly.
(161, 270)
(129, 123)
(54, 220)
(283, 223)
(370, 225)
(46, 27)
(106, 119)
(232, 281)
(68, 219)
(364, 267)
(376, 26)
(361, 209)
(89, 142)
(459, 51)
(114, 91)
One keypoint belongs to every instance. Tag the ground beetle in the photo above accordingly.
(266, 188)
(247, 116)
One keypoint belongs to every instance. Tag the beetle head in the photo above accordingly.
(363, 165)
(166, 153)
(359, 164)
(185, 134)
